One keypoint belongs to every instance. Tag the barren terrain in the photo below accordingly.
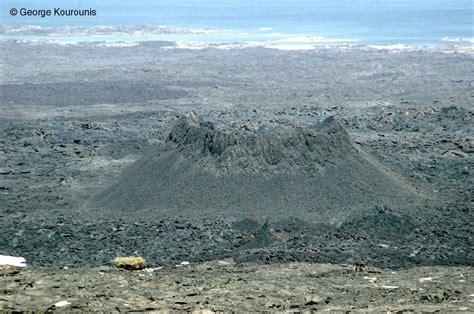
(77, 120)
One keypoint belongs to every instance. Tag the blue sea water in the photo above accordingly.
(371, 22)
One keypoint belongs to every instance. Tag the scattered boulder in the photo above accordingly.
(130, 262)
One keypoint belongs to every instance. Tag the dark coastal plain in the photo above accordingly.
(337, 178)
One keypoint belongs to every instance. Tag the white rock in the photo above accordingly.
(425, 279)
(371, 279)
(183, 264)
(12, 261)
(390, 287)
(62, 304)
(150, 270)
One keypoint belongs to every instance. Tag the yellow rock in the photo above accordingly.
(130, 262)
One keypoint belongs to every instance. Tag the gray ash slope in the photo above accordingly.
(313, 173)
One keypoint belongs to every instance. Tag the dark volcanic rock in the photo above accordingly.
(314, 173)
(269, 153)
(382, 224)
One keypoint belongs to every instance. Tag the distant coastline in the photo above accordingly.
(203, 38)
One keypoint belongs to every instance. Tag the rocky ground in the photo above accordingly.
(223, 286)
(72, 118)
